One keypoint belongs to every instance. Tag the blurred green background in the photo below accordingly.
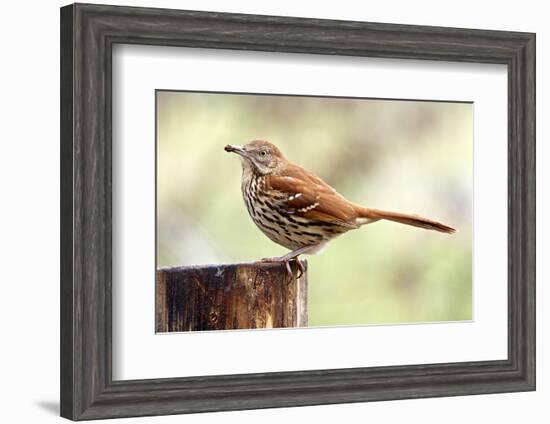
(406, 156)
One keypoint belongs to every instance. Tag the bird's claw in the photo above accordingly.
(299, 265)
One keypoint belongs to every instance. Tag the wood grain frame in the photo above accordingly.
(88, 33)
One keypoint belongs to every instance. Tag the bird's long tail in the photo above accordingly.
(373, 215)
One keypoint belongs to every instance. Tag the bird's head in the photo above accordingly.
(262, 157)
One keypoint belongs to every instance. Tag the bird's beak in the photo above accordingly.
(236, 149)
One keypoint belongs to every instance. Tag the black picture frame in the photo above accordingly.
(88, 33)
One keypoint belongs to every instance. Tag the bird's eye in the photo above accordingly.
(263, 153)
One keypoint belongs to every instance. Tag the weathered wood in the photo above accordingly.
(227, 297)
(88, 391)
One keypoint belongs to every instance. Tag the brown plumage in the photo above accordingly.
(298, 210)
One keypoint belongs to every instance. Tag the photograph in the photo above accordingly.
(278, 213)
(277, 210)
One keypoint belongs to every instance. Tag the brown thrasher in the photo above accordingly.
(298, 210)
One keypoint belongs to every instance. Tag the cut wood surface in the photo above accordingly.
(227, 297)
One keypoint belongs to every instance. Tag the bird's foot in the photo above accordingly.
(287, 262)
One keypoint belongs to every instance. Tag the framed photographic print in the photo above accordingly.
(265, 211)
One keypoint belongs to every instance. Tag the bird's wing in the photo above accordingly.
(306, 195)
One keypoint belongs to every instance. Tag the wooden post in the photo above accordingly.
(228, 297)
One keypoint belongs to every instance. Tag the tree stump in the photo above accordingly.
(230, 297)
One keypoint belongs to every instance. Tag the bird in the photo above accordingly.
(298, 210)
